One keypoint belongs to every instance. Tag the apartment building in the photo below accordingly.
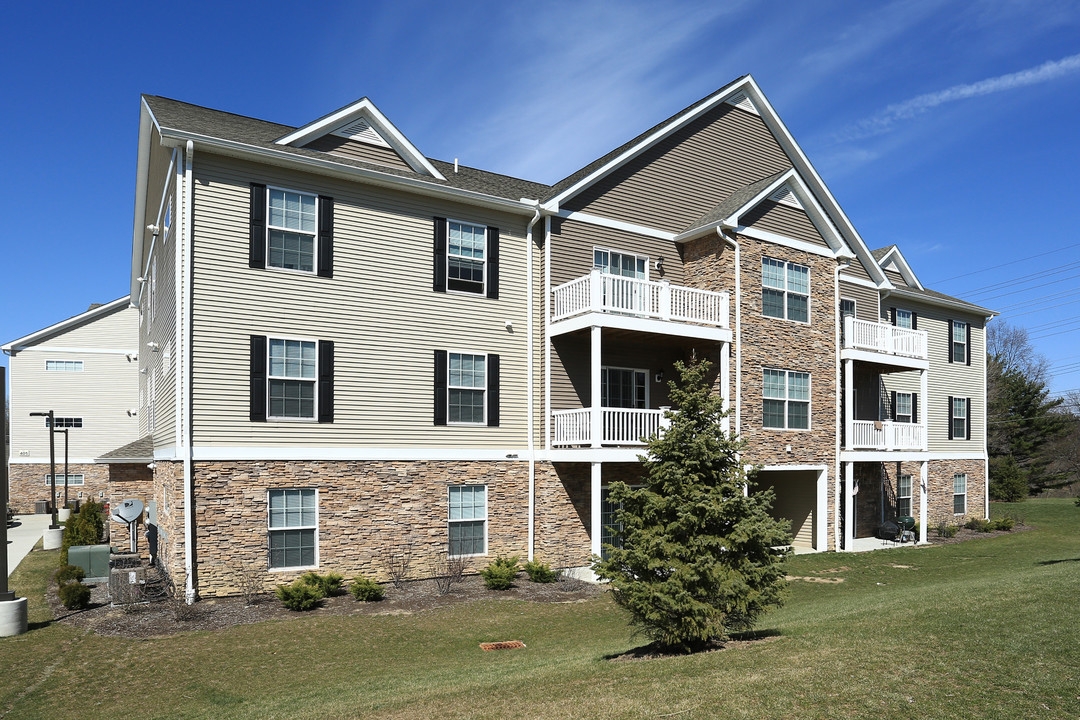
(355, 348)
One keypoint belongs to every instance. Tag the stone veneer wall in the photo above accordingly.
(27, 483)
(364, 509)
(939, 496)
(168, 493)
(129, 480)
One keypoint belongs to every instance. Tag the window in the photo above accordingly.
(610, 527)
(624, 388)
(66, 422)
(290, 228)
(466, 388)
(465, 257)
(958, 342)
(785, 291)
(64, 365)
(72, 479)
(615, 263)
(847, 308)
(292, 526)
(904, 319)
(902, 410)
(959, 418)
(903, 496)
(292, 378)
(467, 520)
(959, 496)
(786, 400)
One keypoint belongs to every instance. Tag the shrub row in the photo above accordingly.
(308, 590)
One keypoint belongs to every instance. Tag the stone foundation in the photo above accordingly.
(878, 488)
(129, 480)
(27, 484)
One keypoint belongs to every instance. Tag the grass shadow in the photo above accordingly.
(1058, 562)
(654, 651)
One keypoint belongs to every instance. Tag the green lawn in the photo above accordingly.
(983, 629)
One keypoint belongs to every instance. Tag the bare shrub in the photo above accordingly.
(396, 559)
(178, 604)
(448, 571)
(569, 582)
(249, 582)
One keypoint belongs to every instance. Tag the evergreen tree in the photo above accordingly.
(697, 558)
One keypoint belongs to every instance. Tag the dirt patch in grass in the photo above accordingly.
(163, 618)
(814, 579)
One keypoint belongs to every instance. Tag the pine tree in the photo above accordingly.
(697, 559)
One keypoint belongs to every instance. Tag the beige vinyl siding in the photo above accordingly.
(795, 501)
(857, 269)
(358, 151)
(909, 381)
(684, 176)
(379, 309)
(573, 243)
(866, 299)
(102, 394)
(784, 220)
(896, 278)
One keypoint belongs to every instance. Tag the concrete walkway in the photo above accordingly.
(23, 536)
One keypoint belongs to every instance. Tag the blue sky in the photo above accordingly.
(948, 128)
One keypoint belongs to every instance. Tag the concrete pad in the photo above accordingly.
(23, 536)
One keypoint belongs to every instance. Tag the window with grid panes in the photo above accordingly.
(786, 400)
(785, 291)
(292, 523)
(291, 226)
(467, 521)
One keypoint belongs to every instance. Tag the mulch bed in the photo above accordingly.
(963, 534)
(160, 619)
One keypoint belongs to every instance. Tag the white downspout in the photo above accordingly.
(530, 399)
(183, 355)
(738, 326)
(547, 333)
(843, 264)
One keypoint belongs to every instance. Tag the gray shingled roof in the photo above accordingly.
(188, 118)
(733, 202)
(142, 450)
(880, 253)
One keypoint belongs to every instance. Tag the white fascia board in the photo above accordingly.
(142, 174)
(366, 109)
(895, 256)
(960, 305)
(908, 456)
(601, 455)
(857, 281)
(349, 172)
(771, 237)
(884, 359)
(810, 175)
(635, 324)
(76, 350)
(19, 344)
(782, 468)
(616, 224)
(223, 453)
(731, 220)
(647, 142)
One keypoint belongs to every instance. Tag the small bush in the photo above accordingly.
(539, 572)
(67, 573)
(978, 524)
(500, 573)
(1003, 523)
(366, 590)
(75, 596)
(299, 595)
(950, 531)
(85, 528)
(328, 584)
(448, 571)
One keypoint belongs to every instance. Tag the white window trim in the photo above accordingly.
(963, 494)
(953, 417)
(314, 236)
(786, 291)
(648, 390)
(487, 496)
(636, 256)
(854, 305)
(71, 483)
(487, 369)
(484, 263)
(314, 381)
(809, 401)
(77, 366)
(911, 317)
(909, 497)
(967, 339)
(269, 530)
(911, 407)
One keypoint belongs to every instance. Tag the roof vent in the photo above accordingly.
(743, 102)
(361, 130)
(785, 196)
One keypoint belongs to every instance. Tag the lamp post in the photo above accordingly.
(6, 595)
(52, 462)
(65, 431)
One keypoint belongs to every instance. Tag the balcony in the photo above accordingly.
(886, 435)
(598, 292)
(884, 339)
(617, 426)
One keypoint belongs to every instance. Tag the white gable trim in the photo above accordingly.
(71, 322)
(785, 241)
(364, 108)
(896, 258)
(616, 224)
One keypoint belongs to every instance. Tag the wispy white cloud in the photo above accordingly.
(885, 120)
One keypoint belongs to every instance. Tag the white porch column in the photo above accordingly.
(849, 405)
(594, 508)
(821, 515)
(596, 417)
(665, 300)
(596, 290)
(923, 482)
(849, 504)
(725, 389)
(924, 399)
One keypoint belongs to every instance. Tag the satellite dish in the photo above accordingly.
(129, 510)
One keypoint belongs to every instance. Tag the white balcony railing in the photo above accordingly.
(600, 292)
(618, 426)
(884, 338)
(886, 435)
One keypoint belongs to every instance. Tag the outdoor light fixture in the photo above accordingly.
(658, 263)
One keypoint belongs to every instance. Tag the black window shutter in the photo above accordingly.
(326, 236)
(967, 347)
(440, 387)
(950, 416)
(493, 265)
(914, 320)
(892, 402)
(439, 259)
(493, 390)
(257, 227)
(949, 323)
(326, 381)
(967, 401)
(914, 407)
(892, 315)
(258, 378)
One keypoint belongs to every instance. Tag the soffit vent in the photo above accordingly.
(743, 102)
(361, 130)
(785, 196)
